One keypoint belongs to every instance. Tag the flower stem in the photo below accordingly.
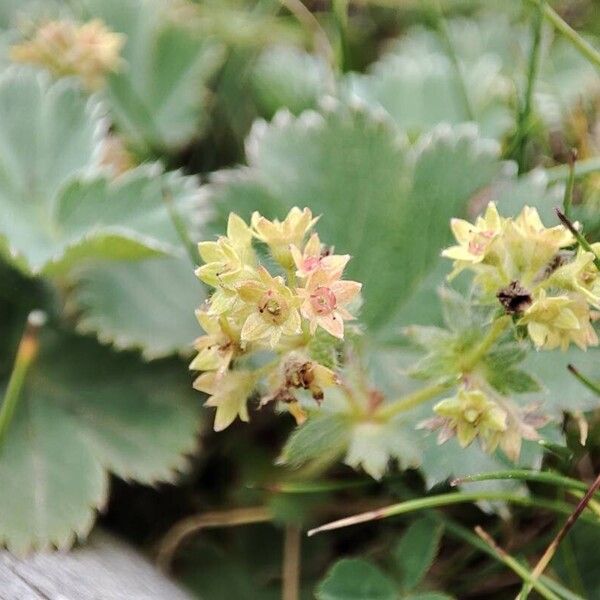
(578, 236)
(411, 400)
(26, 353)
(591, 385)
(446, 500)
(568, 198)
(496, 330)
(340, 13)
(584, 47)
(524, 120)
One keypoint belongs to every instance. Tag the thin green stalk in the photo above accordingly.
(581, 169)
(462, 533)
(591, 385)
(524, 120)
(555, 479)
(568, 198)
(584, 47)
(447, 500)
(564, 530)
(26, 353)
(498, 327)
(442, 28)
(431, 391)
(411, 400)
(578, 236)
(515, 565)
(340, 13)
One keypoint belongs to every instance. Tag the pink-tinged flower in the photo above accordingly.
(324, 302)
(272, 308)
(280, 235)
(314, 258)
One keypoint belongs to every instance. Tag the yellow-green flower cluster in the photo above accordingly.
(537, 274)
(252, 310)
(89, 51)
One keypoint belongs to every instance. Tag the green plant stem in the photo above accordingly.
(515, 565)
(427, 393)
(581, 169)
(564, 530)
(568, 198)
(498, 327)
(411, 400)
(524, 119)
(26, 353)
(578, 236)
(340, 13)
(442, 28)
(447, 500)
(555, 479)
(584, 47)
(591, 385)
(462, 533)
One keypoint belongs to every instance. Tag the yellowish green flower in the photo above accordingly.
(218, 347)
(474, 239)
(531, 246)
(472, 414)
(556, 321)
(89, 51)
(228, 393)
(578, 275)
(324, 302)
(281, 235)
(229, 260)
(313, 259)
(273, 309)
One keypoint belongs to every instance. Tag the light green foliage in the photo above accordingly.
(286, 77)
(322, 439)
(56, 209)
(158, 99)
(86, 411)
(146, 304)
(356, 579)
(347, 163)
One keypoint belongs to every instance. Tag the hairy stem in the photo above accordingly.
(498, 327)
(26, 353)
(580, 169)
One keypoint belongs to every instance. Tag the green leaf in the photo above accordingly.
(428, 596)
(85, 411)
(158, 99)
(287, 77)
(373, 445)
(145, 304)
(407, 195)
(323, 438)
(416, 551)
(356, 579)
(55, 208)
